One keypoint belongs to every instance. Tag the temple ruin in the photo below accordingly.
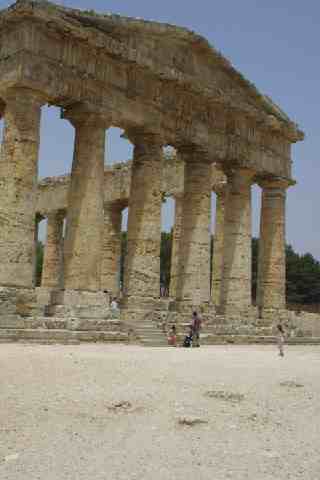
(163, 85)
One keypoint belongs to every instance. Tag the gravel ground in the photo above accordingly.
(127, 412)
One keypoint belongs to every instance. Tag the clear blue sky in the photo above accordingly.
(273, 43)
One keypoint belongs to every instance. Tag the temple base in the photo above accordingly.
(77, 316)
(78, 303)
(19, 302)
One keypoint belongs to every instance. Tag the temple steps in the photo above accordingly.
(150, 335)
(56, 336)
(153, 338)
(57, 323)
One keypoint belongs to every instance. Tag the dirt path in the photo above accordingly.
(121, 413)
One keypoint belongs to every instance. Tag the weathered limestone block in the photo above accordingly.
(18, 187)
(142, 272)
(236, 282)
(271, 288)
(18, 302)
(176, 236)
(78, 304)
(194, 251)
(52, 272)
(84, 227)
(111, 249)
(217, 257)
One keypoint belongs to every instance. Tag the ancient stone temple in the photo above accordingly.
(163, 85)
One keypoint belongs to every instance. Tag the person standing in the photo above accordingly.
(172, 337)
(114, 304)
(195, 329)
(280, 339)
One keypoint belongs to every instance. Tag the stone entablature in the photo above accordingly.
(53, 191)
(142, 74)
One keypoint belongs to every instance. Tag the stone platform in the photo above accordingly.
(63, 331)
(29, 321)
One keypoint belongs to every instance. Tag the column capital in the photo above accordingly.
(83, 113)
(240, 178)
(195, 153)
(144, 137)
(275, 182)
(246, 173)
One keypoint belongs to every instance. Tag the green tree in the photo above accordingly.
(303, 278)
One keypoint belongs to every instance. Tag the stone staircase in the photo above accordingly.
(216, 333)
(147, 328)
(51, 330)
(53, 326)
(151, 330)
(150, 335)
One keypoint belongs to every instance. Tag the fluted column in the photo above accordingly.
(142, 269)
(217, 257)
(176, 235)
(193, 285)
(111, 249)
(84, 227)
(271, 288)
(37, 220)
(52, 274)
(18, 186)
(236, 281)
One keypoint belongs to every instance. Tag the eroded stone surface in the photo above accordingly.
(175, 253)
(236, 283)
(18, 187)
(142, 274)
(84, 230)
(194, 249)
(111, 252)
(271, 288)
(52, 271)
(217, 257)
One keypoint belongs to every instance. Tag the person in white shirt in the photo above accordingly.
(114, 304)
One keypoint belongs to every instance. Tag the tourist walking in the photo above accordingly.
(195, 329)
(280, 339)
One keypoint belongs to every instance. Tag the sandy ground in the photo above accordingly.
(123, 412)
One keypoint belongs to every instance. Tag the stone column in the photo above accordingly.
(37, 220)
(142, 271)
(176, 235)
(18, 187)
(111, 249)
(52, 273)
(84, 227)
(194, 251)
(236, 282)
(217, 257)
(271, 288)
